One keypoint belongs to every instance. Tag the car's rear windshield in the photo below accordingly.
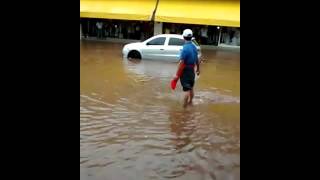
(195, 42)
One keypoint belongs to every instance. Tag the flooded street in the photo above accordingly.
(133, 126)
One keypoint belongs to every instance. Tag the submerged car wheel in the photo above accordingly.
(134, 54)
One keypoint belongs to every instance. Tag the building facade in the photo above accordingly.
(215, 22)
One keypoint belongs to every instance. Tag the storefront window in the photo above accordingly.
(230, 36)
(204, 34)
(120, 29)
(142, 30)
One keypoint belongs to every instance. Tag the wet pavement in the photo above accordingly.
(133, 126)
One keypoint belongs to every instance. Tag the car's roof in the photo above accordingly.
(170, 35)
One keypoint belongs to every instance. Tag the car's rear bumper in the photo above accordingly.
(125, 52)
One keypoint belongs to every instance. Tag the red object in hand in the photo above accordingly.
(179, 73)
(174, 83)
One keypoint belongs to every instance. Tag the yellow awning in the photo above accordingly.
(118, 9)
(214, 12)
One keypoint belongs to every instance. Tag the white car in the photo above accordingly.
(162, 47)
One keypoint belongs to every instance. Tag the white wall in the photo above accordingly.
(157, 28)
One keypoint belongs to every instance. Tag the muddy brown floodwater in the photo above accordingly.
(132, 126)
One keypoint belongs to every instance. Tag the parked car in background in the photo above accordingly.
(160, 47)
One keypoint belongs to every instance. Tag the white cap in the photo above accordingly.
(187, 33)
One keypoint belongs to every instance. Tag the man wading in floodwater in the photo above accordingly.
(188, 59)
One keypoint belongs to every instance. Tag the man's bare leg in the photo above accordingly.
(191, 96)
(186, 97)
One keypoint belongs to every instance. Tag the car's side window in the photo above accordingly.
(176, 42)
(158, 41)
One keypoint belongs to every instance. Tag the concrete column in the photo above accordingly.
(157, 29)
(219, 39)
(80, 32)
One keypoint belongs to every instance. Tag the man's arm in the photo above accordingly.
(179, 69)
(198, 67)
(181, 64)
